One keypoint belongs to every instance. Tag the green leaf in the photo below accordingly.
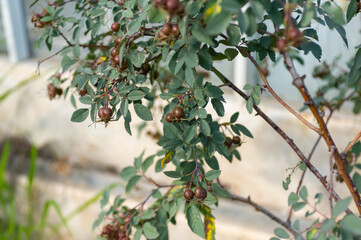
(147, 163)
(218, 23)
(304, 193)
(340, 207)
(143, 112)
(351, 224)
(189, 134)
(309, 13)
(281, 233)
(249, 105)
(105, 199)
(244, 130)
(124, 105)
(205, 59)
(327, 225)
(292, 198)
(128, 172)
(219, 191)
(80, 115)
(243, 21)
(234, 117)
(156, 15)
(335, 12)
(172, 174)
(204, 127)
(212, 175)
(351, 10)
(230, 53)
(201, 34)
(218, 106)
(67, 63)
(234, 34)
(136, 95)
(150, 231)
(132, 182)
(194, 221)
(213, 91)
(298, 206)
(357, 180)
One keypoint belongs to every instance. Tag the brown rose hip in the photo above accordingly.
(236, 140)
(167, 28)
(188, 194)
(105, 113)
(282, 45)
(228, 142)
(178, 112)
(200, 193)
(169, 117)
(116, 59)
(113, 52)
(118, 40)
(115, 27)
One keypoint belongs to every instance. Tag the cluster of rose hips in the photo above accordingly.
(116, 231)
(53, 91)
(105, 114)
(168, 30)
(236, 140)
(293, 37)
(199, 193)
(36, 19)
(171, 6)
(176, 115)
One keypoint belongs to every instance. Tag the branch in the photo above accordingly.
(47, 58)
(282, 134)
(309, 159)
(266, 212)
(354, 141)
(274, 94)
(298, 82)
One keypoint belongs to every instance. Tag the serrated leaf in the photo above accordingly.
(351, 10)
(172, 174)
(212, 175)
(303, 193)
(244, 130)
(352, 224)
(292, 198)
(143, 112)
(234, 117)
(67, 63)
(136, 95)
(132, 182)
(340, 207)
(150, 231)
(243, 21)
(128, 172)
(281, 233)
(80, 115)
(204, 127)
(249, 105)
(219, 191)
(218, 23)
(194, 221)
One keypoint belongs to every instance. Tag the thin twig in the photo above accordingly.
(269, 214)
(298, 82)
(47, 58)
(331, 176)
(354, 141)
(274, 94)
(289, 141)
(309, 159)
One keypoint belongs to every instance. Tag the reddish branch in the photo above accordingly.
(298, 82)
(289, 141)
(354, 141)
(274, 94)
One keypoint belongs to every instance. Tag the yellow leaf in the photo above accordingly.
(213, 10)
(167, 158)
(101, 60)
(209, 225)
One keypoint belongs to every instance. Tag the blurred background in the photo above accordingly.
(57, 169)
